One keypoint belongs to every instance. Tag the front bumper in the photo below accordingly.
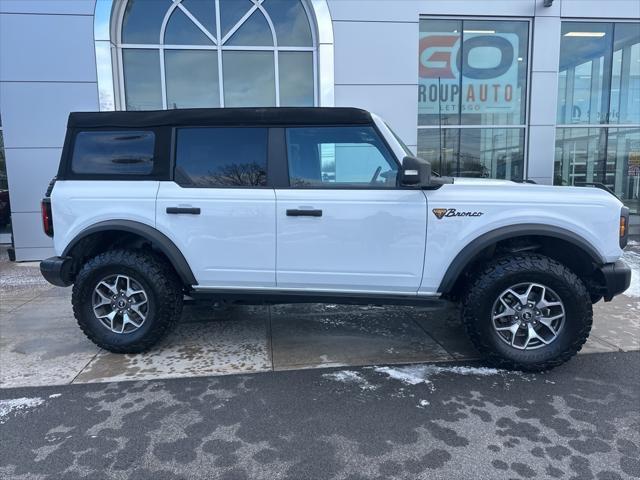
(617, 278)
(57, 270)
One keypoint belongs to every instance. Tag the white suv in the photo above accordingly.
(261, 205)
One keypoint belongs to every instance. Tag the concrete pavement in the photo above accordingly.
(40, 343)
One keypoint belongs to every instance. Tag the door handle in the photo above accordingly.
(189, 210)
(295, 212)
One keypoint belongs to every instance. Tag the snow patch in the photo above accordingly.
(349, 376)
(14, 404)
(423, 403)
(55, 395)
(415, 374)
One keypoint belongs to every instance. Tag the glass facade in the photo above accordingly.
(472, 92)
(5, 207)
(217, 53)
(598, 133)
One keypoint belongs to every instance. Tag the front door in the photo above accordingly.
(219, 211)
(344, 225)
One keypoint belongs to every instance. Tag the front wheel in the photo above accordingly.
(125, 301)
(527, 312)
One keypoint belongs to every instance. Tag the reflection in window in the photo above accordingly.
(141, 84)
(249, 79)
(197, 89)
(221, 157)
(296, 85)
(290, 22)
(242, 65)
(333, 156)
(609, 156)
(474, 152)
(5, 207)
(600, 86)
(473, 73)
(142, 20)
(585, 64)
(113, 153)
(599, 73)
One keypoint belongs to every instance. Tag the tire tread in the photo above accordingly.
(518, 263)
(162, 279)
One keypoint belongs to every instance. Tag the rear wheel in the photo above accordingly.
(125, 301)
(527, 312)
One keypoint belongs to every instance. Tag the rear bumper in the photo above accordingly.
(57, 270)
(617, 278)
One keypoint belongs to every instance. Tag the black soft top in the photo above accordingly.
(222, 116)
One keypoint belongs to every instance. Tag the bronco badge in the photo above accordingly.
(452, 212)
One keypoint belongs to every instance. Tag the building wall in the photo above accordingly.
(48, 68)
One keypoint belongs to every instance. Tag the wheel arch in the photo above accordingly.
(151, 235)
(477, 249)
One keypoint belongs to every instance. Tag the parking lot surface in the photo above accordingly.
(40, 343)
(308, 391)
(436, 421)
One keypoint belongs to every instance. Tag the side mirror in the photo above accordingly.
(415, 171)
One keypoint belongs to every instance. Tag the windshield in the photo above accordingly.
(402, 144)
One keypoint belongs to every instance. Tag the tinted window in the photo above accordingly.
(222, 157)
(338, 156)
(113, 153)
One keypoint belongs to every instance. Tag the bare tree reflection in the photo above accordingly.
(234, 175)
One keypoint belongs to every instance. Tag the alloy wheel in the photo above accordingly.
(120, 303)
(528, 316)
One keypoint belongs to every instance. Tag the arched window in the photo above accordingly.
(214, 53)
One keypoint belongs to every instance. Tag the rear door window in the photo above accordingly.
(221, 157)
(113, 153)
(349, 156)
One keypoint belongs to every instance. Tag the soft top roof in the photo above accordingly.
(222, 116)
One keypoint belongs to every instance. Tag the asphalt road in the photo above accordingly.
(580, 421)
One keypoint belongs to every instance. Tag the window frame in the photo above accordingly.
(527, 100)
(117, 52)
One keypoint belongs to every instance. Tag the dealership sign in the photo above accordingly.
(490, 65)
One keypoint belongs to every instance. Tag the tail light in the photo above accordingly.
(624, 227)
(47, 218)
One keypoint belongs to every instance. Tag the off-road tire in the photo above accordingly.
(499, 274)
(158, 279)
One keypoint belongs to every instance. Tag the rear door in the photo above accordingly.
(343, 223)
(219, 210)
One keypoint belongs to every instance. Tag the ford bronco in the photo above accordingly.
(279, 205)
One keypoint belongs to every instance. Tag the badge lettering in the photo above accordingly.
(452, 212)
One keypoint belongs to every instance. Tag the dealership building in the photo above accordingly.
(539, 90)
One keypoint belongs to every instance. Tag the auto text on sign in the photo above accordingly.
(490, 66)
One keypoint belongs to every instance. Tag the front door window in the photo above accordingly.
(339, 157)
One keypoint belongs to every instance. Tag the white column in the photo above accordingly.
(544, 92)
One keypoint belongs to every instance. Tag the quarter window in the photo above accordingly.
(113, 153)
(221, 157)
(339, 156)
